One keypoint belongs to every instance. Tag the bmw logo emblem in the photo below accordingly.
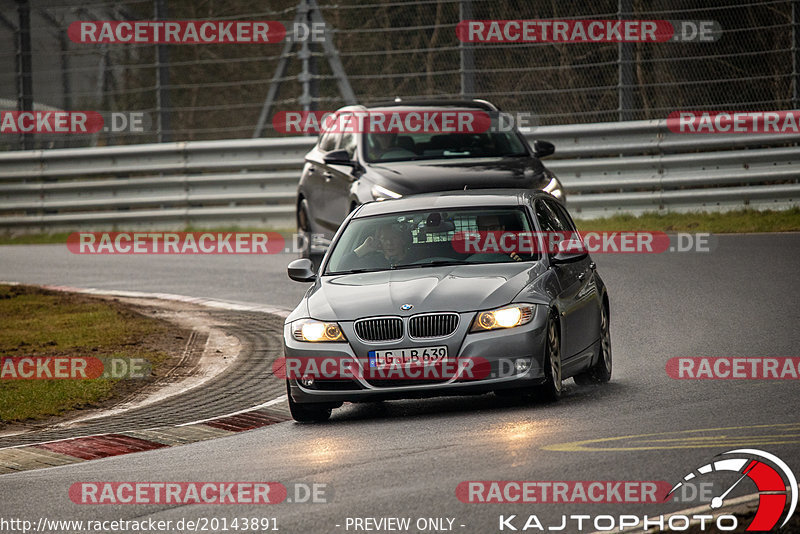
(406, 307)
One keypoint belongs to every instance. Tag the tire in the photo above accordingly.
(304, 228)
(304, 231)
(307, 413)
(553, 388)
(600, 372)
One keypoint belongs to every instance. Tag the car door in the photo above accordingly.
(314, 181)
(577, 301)
(336, 180)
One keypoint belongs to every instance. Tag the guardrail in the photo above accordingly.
(642, 166)
(606, 168)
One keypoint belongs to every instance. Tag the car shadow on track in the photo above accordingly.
(575, 397)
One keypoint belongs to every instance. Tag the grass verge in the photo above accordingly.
(741, 221)
(35, 322)
(60, 238)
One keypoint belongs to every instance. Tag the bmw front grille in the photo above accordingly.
(432, 325)
(423, 326)
(380, 329)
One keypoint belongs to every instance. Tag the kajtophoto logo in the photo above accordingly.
(774, 480)
(713, 483)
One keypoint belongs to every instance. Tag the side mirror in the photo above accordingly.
(338, 157)
(542, 149)
(302, 270)
(569, 250)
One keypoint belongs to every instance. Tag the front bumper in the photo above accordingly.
(498, 350)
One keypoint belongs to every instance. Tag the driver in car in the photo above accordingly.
(379, 144)
(389, 247)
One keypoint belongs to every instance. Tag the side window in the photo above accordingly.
(547, 219)
(329, 138)
(348, 138)
(562, 216)
(553, 219)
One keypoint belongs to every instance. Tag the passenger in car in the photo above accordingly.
(493, 223)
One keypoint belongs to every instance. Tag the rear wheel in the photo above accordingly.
(307, 413)
(600, 372)
(553, 387)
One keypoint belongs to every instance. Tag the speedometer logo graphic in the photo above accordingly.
(771, 479)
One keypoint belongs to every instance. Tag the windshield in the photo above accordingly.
(431, 238)
(385, 147)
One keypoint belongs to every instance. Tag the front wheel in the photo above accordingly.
(600, 372)
(307, 413)
(553, 387)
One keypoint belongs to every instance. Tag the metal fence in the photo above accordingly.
(394, 48)
(607, 168)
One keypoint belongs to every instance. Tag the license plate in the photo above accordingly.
(403, 357)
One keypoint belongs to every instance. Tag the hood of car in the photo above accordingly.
(414, 177)
(455, 288)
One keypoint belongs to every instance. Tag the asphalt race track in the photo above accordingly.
(406, 458)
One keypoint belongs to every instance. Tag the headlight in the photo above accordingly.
(553, 188)
(316, 331)
(381, 193)
(506, 317)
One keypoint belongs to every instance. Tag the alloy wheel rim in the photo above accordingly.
(555, 357)
(302, 220)
(606, 340)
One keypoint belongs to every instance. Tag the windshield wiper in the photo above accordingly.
(436, 263)
(352, 271)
